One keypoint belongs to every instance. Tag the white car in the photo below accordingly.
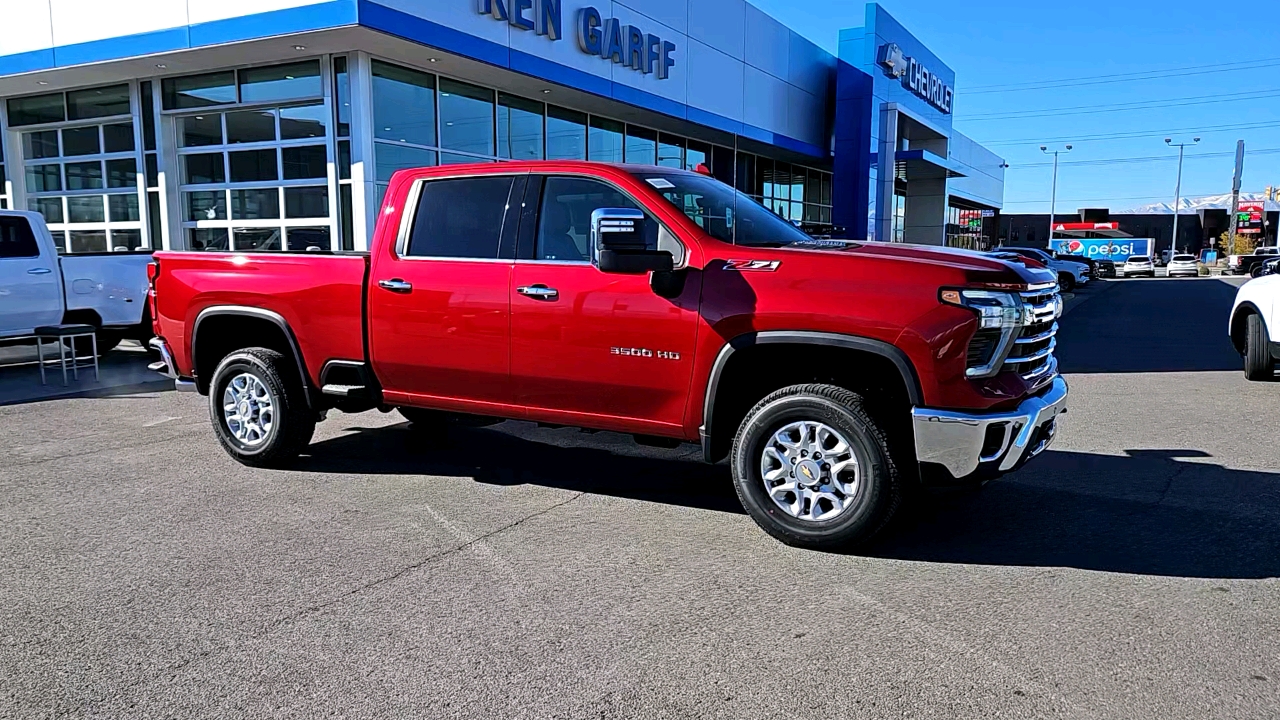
(1138, 265)
(1184, 266)
(1255, 326)
(38, 287)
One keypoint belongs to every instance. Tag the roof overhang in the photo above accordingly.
(1090, 230)
(921, 165)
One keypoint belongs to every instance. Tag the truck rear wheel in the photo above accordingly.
(258, 409)
(1258, 363)
(814, 469)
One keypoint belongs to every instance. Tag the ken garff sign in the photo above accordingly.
(625, 45)
(915, 77)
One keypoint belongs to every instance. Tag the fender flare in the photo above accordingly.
(881, 348)
(260, 314)
(1240, 310)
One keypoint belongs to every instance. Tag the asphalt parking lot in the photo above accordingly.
(518, 572)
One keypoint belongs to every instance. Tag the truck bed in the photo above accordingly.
(114, 285)
(320, 296)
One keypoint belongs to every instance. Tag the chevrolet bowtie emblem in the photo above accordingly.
(892, 58)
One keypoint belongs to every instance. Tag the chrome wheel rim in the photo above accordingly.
(809, 471)
(248, 409)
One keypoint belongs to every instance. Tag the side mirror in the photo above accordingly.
(619, 238)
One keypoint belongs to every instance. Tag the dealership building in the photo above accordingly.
(276, 124)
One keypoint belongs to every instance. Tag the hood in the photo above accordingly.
(981, 267)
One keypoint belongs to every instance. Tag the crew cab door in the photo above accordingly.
(439, 294)
(589, 347)
(30, 284)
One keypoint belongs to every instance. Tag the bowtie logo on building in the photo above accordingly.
(915, 77)
(893, 60)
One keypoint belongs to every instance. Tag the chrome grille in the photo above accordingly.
(1032, 353)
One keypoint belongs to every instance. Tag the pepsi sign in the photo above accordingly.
(1114, 249)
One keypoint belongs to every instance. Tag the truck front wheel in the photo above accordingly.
(814, 469)
(1258, 363)
(258, 409)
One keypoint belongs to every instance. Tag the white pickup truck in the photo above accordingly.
(1255, 326)
(39, 287)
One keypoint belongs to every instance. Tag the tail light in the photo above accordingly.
(153, 273)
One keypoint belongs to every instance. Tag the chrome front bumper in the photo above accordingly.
(165, 366)
(962, 442)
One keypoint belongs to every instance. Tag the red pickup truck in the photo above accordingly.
(651, 301)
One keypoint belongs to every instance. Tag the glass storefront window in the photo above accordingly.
(303, 121)
(642, 146)
(748, 182)
(466, 118)
(604, 140)
(98, 102)
(519, 128)
(194, 91)
(404, 105)
(281, 83)
(37, 110)
(84, 178)
(250, 126)
(671, 152)
(398, 157)
(252, 176)
(699, 154)
(342, 95)
(566, 134)
(197, 130)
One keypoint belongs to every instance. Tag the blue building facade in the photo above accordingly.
(275, 124)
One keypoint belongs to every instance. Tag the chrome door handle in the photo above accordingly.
(396, 285)
(539, 292)
(39, 271)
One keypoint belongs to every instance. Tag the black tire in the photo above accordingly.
(292, 423)
(1258, 363)
(108, 340)
(1066, 283)
(879, 490)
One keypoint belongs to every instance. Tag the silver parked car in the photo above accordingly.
(1184, 266)
(1138, 265)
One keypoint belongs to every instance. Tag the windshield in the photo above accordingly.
(1139, 259)
(724, 213)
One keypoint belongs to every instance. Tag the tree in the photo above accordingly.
(1244, 243)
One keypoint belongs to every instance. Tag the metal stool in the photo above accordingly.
(59, 333)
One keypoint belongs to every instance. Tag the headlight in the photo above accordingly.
(995, 309)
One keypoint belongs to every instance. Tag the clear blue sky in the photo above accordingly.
(991, 43)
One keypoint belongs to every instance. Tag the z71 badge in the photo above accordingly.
(752, 265)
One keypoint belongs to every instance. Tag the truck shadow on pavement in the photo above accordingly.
(1149, 512)
(1151, 326)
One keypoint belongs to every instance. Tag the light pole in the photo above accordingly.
(1177, 192)
(1053, 198)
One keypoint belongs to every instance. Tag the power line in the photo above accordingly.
(1145, 159)
(1123, 77)
(1206, 130)
(1104, 199)
(1122, 107)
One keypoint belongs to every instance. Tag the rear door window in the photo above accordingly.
(16, 239)
(461, 218)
